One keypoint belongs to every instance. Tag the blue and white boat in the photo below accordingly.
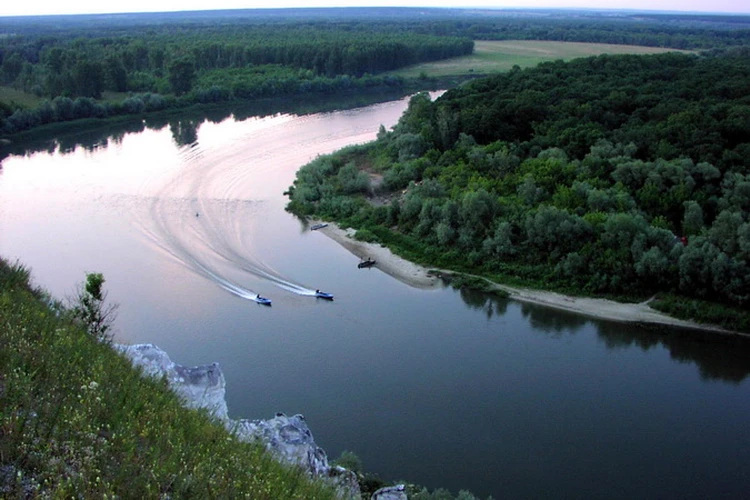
(262, 300)
(323, 295)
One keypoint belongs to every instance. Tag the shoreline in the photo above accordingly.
(418, 276)
(393, 265)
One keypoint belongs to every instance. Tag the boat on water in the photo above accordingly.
(366, 263)
(318, 226)
(262, 300)
(323, 295)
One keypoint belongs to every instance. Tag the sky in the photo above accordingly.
(45, 7)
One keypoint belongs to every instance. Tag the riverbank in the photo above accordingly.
(419, 277)
(403, 270)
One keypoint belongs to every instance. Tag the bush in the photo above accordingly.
(365, 235)
(91, 309)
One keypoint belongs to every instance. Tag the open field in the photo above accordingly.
(498, 56)
(12, 96)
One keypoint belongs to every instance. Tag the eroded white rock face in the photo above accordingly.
(200, 387)
(397, 492)
(289, 438)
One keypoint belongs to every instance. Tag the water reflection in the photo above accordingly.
(491, 305)
(184, 132)
(96, 135)
(717, 357)
(552, 321)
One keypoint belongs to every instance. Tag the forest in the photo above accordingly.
(625, 176)
(99, 66)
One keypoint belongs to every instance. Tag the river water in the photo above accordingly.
(445, 389)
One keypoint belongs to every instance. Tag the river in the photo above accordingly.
(186, 221)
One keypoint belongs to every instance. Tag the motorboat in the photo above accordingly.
(323, 295)
(262, 300)
(320, 225)
(366, 263)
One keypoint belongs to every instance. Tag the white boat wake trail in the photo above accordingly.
(198, 216)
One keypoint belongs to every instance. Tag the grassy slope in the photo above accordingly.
(493, 57)
(76, 420)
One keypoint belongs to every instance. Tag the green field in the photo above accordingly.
(18, 97)
(493, 57)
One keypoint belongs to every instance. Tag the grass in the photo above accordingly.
(78, 421)
(499, 56)
(23, 99)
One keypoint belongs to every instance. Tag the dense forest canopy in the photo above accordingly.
(167, 61)
(611, 174)
(164, 60)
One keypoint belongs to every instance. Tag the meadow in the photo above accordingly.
(498, 56)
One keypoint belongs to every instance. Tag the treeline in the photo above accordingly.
(624, 175)
(673, 33)
(170, 62)
(150, 62)
(75, 64)
(255, 84)
(170, 65)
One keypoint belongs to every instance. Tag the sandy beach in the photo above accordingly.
(419, 277)
(388, 262)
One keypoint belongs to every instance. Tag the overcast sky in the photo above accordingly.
(35, 7)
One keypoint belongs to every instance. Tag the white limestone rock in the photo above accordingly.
(289, 438)
(199, 387)
(397, 492)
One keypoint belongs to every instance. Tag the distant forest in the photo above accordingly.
(153, 62)
(619, 175)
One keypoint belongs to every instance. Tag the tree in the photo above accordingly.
(11, 68)
(91, 307)
(182, 75)
(88, 79)
(692, 222)
(116, 74)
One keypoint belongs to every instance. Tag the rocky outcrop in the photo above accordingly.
(397, 492)
(288, 438)
(199, 387)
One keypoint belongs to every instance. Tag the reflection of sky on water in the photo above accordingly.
(108, 206)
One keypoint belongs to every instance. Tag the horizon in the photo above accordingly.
(34, 8)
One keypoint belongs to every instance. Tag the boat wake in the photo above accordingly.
(198, 216)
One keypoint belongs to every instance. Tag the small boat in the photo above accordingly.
(366, 263)
(323, 295)
(318, 226)
(262, 300)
